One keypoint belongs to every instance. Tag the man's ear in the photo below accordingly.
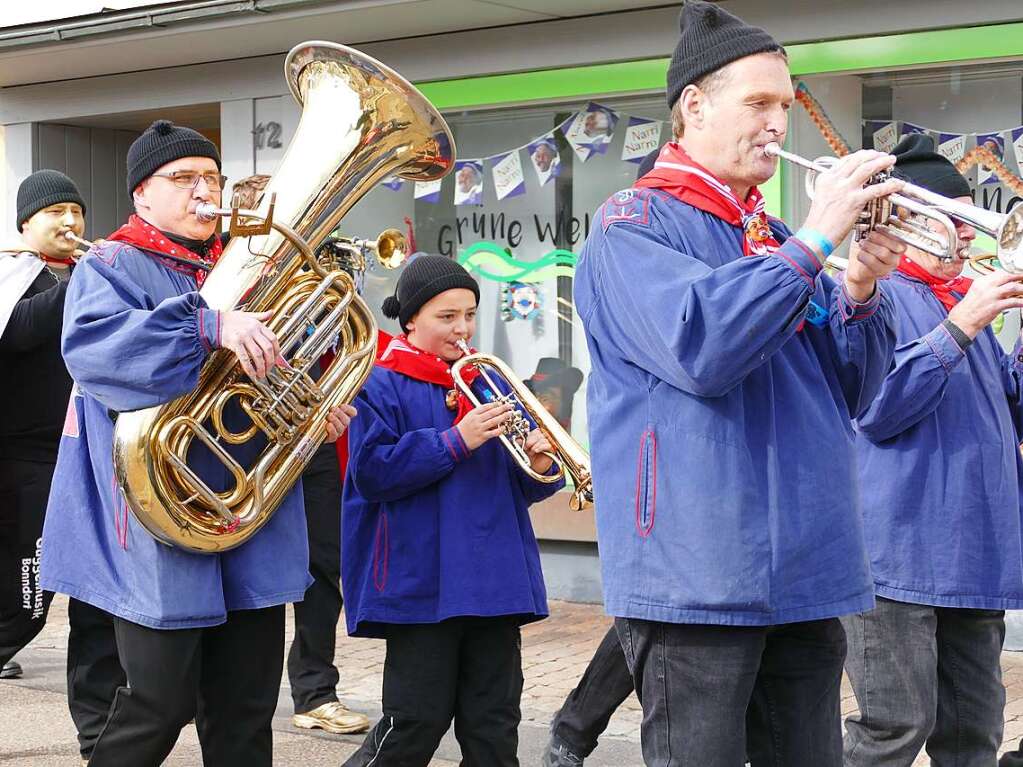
(692, 101)
(138, 195)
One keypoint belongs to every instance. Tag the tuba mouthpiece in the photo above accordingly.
(206, 211)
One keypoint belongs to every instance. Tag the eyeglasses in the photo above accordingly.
(189, 179)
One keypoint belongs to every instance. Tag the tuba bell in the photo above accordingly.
(360, 122)
(569, 458)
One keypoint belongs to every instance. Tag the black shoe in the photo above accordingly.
(11, 670)
(559, 754)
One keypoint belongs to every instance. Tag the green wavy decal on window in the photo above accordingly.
(490, 261)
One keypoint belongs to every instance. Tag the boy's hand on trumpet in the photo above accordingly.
(536, 446)
(484, 423)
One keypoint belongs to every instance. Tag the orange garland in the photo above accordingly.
(816, 113)
(981, 155)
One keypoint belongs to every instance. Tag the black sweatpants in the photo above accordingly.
(93, 671)
(466, 669)
(226, 676)
(24, 491)
(311, 669)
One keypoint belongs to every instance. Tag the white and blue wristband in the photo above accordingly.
(816, 240)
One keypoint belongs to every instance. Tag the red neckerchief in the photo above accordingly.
(942, 289)
(145, 236)
(402, 357)
(677, 174)
(58, 261)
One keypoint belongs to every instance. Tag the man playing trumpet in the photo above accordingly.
(941, 486)
(34, 272)
(34, 275)
(726, 371)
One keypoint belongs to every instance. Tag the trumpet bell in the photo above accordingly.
(391, 249)
(1010, 241)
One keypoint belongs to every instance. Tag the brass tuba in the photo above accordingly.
(360, 122)
(568, 456)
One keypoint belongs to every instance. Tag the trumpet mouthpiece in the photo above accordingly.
(772, 149)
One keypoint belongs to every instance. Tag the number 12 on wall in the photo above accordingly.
(268, 135)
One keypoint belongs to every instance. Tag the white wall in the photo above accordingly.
(17, 140)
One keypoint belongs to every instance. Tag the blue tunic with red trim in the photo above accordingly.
(942, 474)
(136, 333)
(432, 530)
(720, 400)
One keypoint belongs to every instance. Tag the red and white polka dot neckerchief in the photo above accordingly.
(147, 237)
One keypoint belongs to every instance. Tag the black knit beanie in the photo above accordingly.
(917, 162)
(711, 37)
(425, 277)
(43, 189)
(161, 143)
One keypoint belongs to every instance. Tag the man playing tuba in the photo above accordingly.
(198, 635)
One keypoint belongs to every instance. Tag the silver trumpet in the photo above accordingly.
(905, 216)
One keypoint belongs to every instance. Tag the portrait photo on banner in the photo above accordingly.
(545, 158)
(590, 131)
(469, 182)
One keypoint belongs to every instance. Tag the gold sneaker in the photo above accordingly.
(332, 717)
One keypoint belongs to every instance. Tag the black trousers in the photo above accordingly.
(94, 671)
(604, 686)
(24, 491)
(709, 690)
(226, 676)
(466, 669)
(311, 669)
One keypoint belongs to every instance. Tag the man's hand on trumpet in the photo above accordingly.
(988, 297)
(840, 195)
(338, 419)
(254, 344)
(870, 259)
